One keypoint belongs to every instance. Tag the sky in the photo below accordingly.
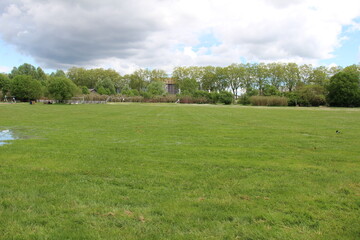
(126, 35)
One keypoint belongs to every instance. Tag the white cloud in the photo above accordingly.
(126, 35)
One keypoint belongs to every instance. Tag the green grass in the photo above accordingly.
(166, 171)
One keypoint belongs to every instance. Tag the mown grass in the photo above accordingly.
(166, 171)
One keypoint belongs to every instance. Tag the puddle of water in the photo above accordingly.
(6, 135)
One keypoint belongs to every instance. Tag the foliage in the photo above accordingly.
(5, 83)
(58, 73)
(268, 101)
(62, 88)
(24, 87)
(85, 90)
(127, 91)
(311, 95)
(29, 70)
(344, 89)
(293, 98)
(105, 86)
(244, 99)
(156, 88)
(226, 97)
(270, 90)
(188, 86)
(91, 78)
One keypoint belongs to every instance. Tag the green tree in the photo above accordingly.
(158, 75)
(261, 76)
(306, 71)
(221, 79)
(81, 77)
(236, 77)
(188, 86)
(208, 80)
(291, 76)
(344, 89)
(58, 73)
(85, 90)
(40, 75)
(62, 88)
(105, 86)
(276, 74)
(24, 87)
(29, 70)
(156, 88)
(319, 76)
(4, 83)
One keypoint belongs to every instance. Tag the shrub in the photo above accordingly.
(226, 97)
(214, 97)
(268, 101)
(311, 95)
(190, 99)
(293, 98)
(95, 97)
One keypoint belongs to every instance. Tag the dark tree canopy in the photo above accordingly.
(344, 89)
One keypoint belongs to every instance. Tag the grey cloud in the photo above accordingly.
(61, 33)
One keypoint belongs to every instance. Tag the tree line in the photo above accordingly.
(301, 84)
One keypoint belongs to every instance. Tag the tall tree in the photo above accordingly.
(291, 76)
(24, 87)
(276, 74)
(261, 76)
(235, 74)
(319, 76)
(306, 71)
(208, 80)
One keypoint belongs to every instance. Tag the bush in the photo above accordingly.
(226, 97)
(214, 97)
(268, 101)
(344, 89)
(95, 97)
(293, 98)
(190, 99)
(311, 95)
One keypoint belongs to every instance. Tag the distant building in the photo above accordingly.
(170, 86)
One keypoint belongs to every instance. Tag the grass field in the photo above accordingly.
(166, 171)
